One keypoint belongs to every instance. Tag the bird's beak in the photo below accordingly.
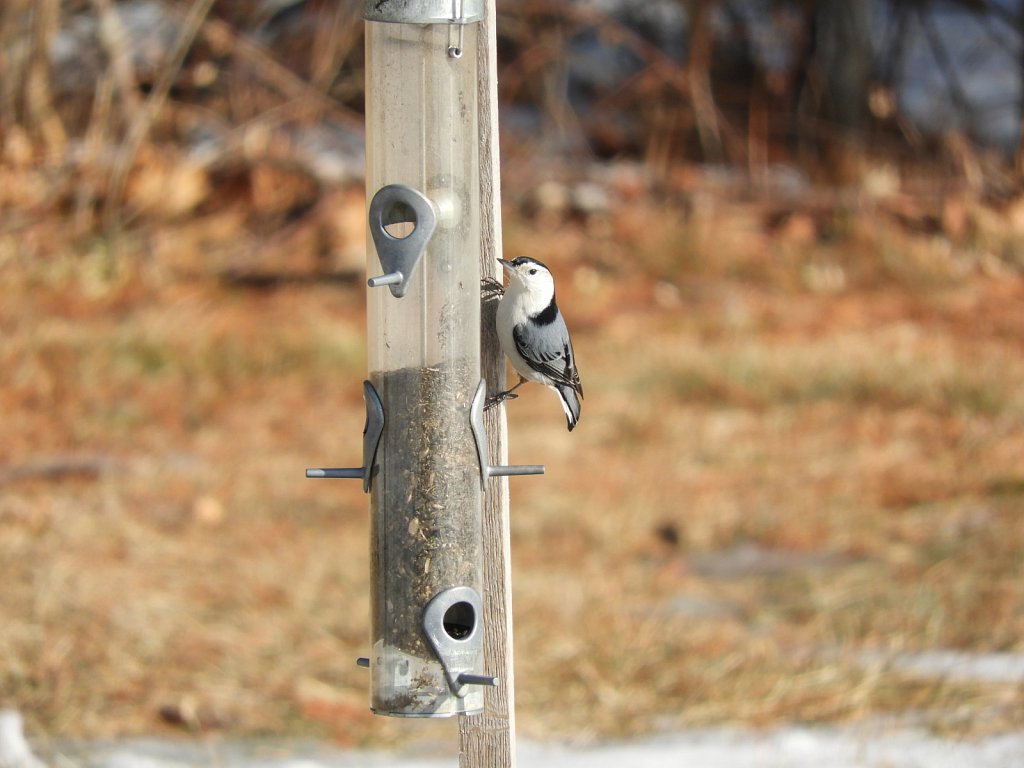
(506, 264)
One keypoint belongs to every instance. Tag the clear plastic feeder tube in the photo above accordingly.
(424, 361)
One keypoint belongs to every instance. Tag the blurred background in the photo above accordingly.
(787, 237)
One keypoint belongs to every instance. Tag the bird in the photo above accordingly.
(534, 337)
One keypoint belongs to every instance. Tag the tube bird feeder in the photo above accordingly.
(423, 324)
(424, 451)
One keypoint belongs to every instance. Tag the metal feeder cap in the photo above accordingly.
(424, 11)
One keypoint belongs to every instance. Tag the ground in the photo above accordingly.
(800, 454)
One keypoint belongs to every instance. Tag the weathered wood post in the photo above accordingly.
(441, 621)
(488, 740)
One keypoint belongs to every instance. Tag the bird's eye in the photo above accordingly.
(533, 271)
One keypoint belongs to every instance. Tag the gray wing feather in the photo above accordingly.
(549, 352)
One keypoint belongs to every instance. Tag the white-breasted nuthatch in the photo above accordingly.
(533, 335)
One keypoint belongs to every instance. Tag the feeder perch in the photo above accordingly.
(371, 439)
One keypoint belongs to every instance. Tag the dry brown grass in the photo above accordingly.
(793, 451)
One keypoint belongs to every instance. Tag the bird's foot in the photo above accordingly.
(499, 398)
(491, 289)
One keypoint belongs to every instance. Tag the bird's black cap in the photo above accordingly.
(520, 260)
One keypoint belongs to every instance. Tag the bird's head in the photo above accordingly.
(530, 276)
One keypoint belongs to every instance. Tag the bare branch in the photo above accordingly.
(143, 121)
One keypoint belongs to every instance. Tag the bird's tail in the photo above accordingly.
(570, 404)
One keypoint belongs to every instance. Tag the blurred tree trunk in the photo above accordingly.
(1019, 157)
(842, 60)
(10, 66)
(114, 39)
(40, 115)
(698, 71)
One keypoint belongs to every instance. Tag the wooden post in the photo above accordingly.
(488, 740)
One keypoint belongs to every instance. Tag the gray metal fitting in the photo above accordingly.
(424, 11)
(453, 623)
(399, 255)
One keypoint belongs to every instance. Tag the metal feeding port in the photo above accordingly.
(399, 205)
(451, 623)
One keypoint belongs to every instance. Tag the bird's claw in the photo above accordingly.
(498, 399)
(491, 289)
